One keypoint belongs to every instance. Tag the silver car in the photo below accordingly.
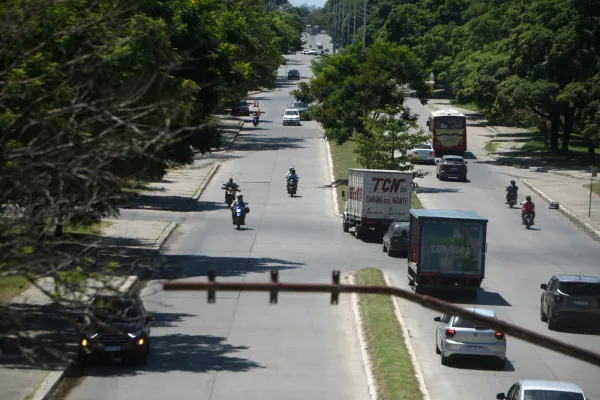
(542, 390)
(458, 337)
(300, 106)
(422, 153)
(291, 117)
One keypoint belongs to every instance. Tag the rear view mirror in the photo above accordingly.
(437, 319)
(343, 193)
(500, 396)
(543, 286)
(466, 162)
(437, 161)
(428, 123)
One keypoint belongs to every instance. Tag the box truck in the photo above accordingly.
(446, 250)
(375, 199)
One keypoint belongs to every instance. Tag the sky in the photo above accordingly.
(318, 3)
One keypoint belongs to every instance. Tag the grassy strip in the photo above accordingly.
(343, 158)
(491, 147)
(11, 286)
(465, 106)
(595, 188)
(393, 370)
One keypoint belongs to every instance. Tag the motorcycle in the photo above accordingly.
(528, 220)
(292, 187)
(511, 198)
(240, 215)
(255, 121)
(229, 195)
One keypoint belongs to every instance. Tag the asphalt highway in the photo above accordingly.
(243, 347)
(303, 347)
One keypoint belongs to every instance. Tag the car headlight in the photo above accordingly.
(134, 334)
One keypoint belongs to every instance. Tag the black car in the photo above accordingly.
(115, 326)
(395, 239)
(293, 74)
(570, 299)
(241, 108)
(452, 167)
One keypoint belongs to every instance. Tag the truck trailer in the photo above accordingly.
(375, 199)
(446, 250)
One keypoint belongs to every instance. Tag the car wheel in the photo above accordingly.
(552, 324)
(84, 359)
(384, 249)
(437, 347)
(345, 226)
(443, 359)
(390, 253)
(543, 316)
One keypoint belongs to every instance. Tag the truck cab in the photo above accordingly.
(446, 251)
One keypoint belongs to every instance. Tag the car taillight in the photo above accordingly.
(432, 153)
(499, 335)
(558, 298)
(450, 333)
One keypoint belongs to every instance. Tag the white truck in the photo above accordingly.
(375, 199)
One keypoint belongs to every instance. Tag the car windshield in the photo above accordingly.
(116, 308)
(551, 395)
(291, 113)
(423, 147)
(462, 323)
(580, 288)
(298, 104)
(450, 123)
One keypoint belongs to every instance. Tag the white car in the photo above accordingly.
(458, 337)
(305, 52)
(312, 53)
(422, 153)
(538, 389)
(291, 117)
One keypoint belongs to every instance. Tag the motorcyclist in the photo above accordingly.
(528, 208)
(510, 190)
(292, 174)
(239, 202)
(255, 117)
(230, 185)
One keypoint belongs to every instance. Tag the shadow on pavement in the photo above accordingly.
(187, 266)
(479, 364)
(422, 189)
(484, 298)
(180, 352)
(251, 142)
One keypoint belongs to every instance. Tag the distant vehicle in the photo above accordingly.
(319, 46)
(119, 325)
(449, 131)
(451, 167)
(327, 50)
(300, 106)
(395, 239)
(305, 52)
(293, 74)
(546, 390)
(312, 53)
(241, 108)
(376, 198)
(422, 153)
(446, 251)
(291, 117)
(570, 299)
(457, 337)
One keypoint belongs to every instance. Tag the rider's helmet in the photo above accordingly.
(230, 180)
(528, 198)
(512, 182)
(292, 170)
(240, 197)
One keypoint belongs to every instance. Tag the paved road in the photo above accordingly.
(517, 262)
(242, 347)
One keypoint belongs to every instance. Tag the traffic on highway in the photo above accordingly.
(466, 241)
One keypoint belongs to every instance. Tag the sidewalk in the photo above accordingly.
(125, 240)
(564, 185)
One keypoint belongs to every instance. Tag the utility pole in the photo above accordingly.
(334, 33)
(342, 23)
(354, 31)
(365, 26)
(349, 15)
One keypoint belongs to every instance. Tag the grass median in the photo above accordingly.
(393, 370)
(343, 158)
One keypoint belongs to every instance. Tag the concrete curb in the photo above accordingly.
(334, 193)
(408, 341)
(53, 380)
(202, 187)
(367, 365)
(574, 217)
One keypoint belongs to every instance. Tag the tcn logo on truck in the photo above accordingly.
(388, 185)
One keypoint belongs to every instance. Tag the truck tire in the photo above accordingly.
(345, 226)
(357, 233)
(418, 288)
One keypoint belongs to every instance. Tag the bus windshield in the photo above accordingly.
(450, 123)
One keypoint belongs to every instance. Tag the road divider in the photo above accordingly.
(391, 368)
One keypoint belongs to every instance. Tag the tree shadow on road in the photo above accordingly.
(188, 266)
(180, 352)
(422, 189)
(251, 142)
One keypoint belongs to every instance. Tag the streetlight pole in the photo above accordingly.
(365, 26)
(594, 174)
(342, 22)
(334, 33)
(354, 31)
